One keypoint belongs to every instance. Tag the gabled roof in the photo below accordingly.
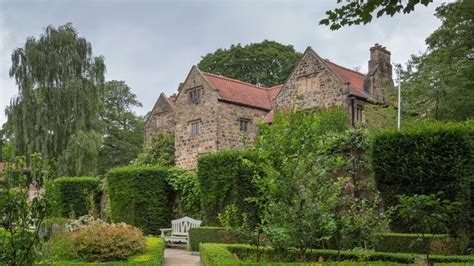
(354, 78)
(169, 100)
(242, 93)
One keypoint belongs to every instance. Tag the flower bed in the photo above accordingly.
(222, 254)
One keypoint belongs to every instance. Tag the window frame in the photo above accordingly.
(195, 131)
(194, 95)
(245, 122)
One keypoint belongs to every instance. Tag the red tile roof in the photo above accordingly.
(354, 78)
(239, 92)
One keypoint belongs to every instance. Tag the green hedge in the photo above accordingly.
(425, 159)
(222, 254)
(411, 243)
(210, 235)
(71, 195)
(226, 178)
(153, 255)
(140, 196)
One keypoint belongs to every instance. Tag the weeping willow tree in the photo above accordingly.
(56, 110)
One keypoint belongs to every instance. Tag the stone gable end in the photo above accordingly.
(188, 146)
(312, 85)
(161, 119)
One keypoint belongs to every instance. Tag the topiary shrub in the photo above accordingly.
(72, 195)
(412, 243)
(226, 178)
(140, 196)
(426, 159)
(107, 242)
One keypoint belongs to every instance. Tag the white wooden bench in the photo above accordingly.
(180, 229)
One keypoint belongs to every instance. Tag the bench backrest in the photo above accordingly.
(181, 226)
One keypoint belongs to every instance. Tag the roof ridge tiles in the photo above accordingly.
(235, 80)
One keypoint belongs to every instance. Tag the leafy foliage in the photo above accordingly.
(123, 130)
(424, 160)
(140, 196)
(438, 83)
(161, 151)
(107, 242)
(70, 195)
(187, 193)
(18, 215)
(362, 12)
(59, 83)
(225, 178)
(238, 254)
(201, 234)
(411, 243)
(426, 214)
(266, 64)
(80, 155)
(303, 183)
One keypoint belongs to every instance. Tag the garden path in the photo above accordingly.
(180, 257)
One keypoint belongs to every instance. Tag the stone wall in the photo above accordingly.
(312, 85)
(229, 135)
(187, 146)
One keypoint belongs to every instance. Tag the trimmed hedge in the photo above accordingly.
(226, 178)
(222, 254)
(411, 243)
(427, 159)
(71, 195)
(140, 196)
(200, 235)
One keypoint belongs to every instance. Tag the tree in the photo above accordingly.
(23, 219)
(266, 64)
(59, 84)
(123, 130)
(362, 11)
(438, 83)
(427, 214)
(161, 151)
(303, 183)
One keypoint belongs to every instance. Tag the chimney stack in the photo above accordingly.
(379, 79)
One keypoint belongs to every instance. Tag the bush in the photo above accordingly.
(107, 242)
(226, 178)
(187, 201)
(71, 195)
(221, 254)
(425, 160)
(210, 235)
(411, 243)
(140, 196)
(5, 246)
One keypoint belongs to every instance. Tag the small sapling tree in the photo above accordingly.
(426, 214)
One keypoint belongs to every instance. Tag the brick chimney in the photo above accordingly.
(378, 82)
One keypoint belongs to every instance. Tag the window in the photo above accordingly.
(358, 113)
(194, 96)
(244, 124)
(195, 128)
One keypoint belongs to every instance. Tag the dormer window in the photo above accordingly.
(244, 124)
(194, 95)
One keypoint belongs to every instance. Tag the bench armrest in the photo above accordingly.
(165, 230)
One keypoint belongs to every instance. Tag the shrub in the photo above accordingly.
(71, 195)
(107, 242)
(140, 196)
(221, 254)
(397, 242)
(5, 246)
(210, 235)
(425, 160)
(226, 178)
(187, 193)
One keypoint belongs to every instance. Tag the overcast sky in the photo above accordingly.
(152, 45)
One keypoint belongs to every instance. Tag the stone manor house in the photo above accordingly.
(212, 112)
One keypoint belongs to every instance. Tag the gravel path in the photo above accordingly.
(180, 257)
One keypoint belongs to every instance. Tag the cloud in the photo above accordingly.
(152, 45)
